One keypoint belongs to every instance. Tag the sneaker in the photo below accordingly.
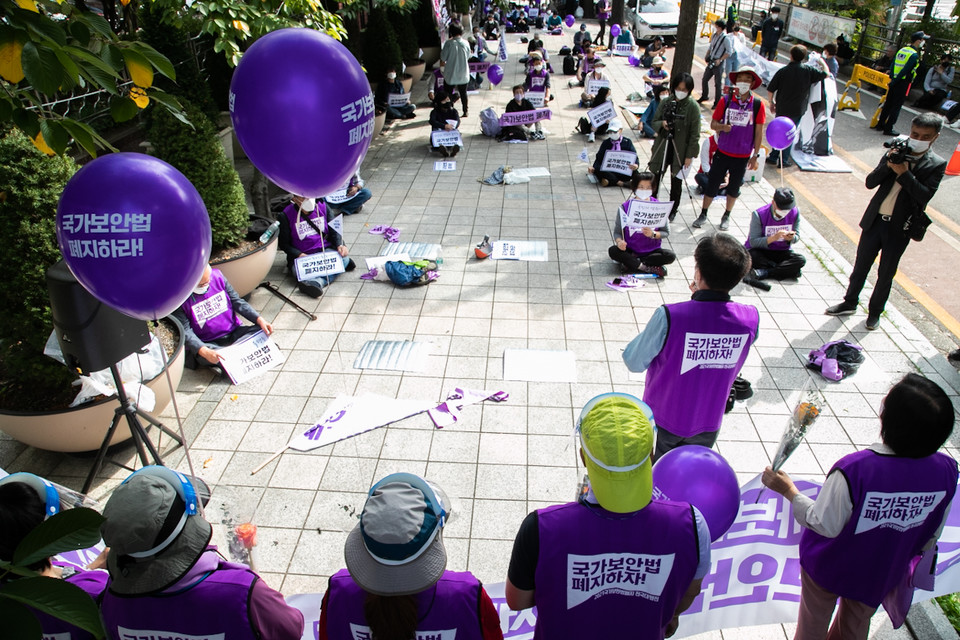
(484, 249)
(454, 151)
(742, 388)
(591, 137)
(604, 183)
(700, 221)
(409, 116)
(725, 222)
(310, 289)
(660, 272)
(842, 309)
(872, 322)
(954, 356)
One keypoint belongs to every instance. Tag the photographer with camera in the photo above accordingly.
(721, 48)
(677, 126)
(908, 176)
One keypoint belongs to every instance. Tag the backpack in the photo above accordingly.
(565, 51)
(489, 122)
(569, 65)
(405, 274)
(836, 360)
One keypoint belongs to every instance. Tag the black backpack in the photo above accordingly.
(569, 65)
(565, 51)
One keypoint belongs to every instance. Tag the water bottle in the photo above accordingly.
(271, 230)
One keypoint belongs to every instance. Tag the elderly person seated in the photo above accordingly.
(614, 142)
(304, 231)
(209, 319)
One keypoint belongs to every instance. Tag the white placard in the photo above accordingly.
(502, 49)
(534, 12)
(537, 98)
(602, 114)
(818, 28)
(249, 357)
(445, 165)
(622, 49)
(441, 138)
(316, 265)
(527, 250)
(739, 117)
(642, 214)
(594, 85)
(340, 196)
(618, 162)
(775, 229)
(398, 99)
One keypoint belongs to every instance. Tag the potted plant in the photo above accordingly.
(35, 390)
(381, 50)
(414, 65)
(199, 155)
(428, 38)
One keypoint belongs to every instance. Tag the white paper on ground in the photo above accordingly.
(532, 172)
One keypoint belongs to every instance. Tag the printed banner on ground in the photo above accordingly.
(248, 358)
(316, 265)
(618, 162)
(644, 214)
(602, 114)
(523, 117)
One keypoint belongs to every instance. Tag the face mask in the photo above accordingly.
(445, 106)
(518, 97)
(743, 88)
(615, 136)
(780, 214)
(681, 95)
(201, 290)
(918, 146)
(391, 76)
(643, 194)
(308, 204)
(537, 67)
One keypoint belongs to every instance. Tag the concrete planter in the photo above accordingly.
(416, 70)
(245, 272)
(378, 121)
(431, 55)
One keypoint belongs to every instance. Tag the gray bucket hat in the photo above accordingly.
(397, 548)
(154, 531)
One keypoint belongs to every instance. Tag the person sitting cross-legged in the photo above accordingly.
(774, 228)
(614, 142)
(304, 231)
(390, 85)
(445, 118)
(641, 250)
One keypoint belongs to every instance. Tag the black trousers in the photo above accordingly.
(657, 258)
(881, 238)
(896, 95)
(782, 265)
(673, 165)
(715, 71)
(462, 90)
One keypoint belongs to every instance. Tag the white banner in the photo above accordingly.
(594, 85)
(315, 265)
(818, 28)
(618, 162)
(537, 98)
(340, 196)
(534, 12)
(249, 357)
(622, 49)
(502, 49)
(441, 138)
(642, 214)
(527, 250)
(602, 114)
(398, 99)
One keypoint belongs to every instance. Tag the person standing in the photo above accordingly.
(847, 529)
(789, 91)
(903, 71)
(454, 59)
(677, 127)
(903, 191)
(721, 48)
(733, 14)
(603, 14)
(770, 31)
(688, 381)
(774, 228)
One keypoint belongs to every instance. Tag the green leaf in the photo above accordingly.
(69, 66)
(67, 531)
(89, 58)
(98, 77)
(41, 68)
(6, 110)
(57, 598)
(171, 104)
(157, 59)
(123, 108)
(57, 139)
(18, 620)
(112, 56)
(97, 23)
(27, 122)
(47, 29)
(83, 134)
(80, 32)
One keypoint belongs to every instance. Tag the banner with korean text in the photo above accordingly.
(642, 214)
(249, 357)
(619, 162)
(524, 117)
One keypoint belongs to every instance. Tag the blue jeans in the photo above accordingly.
(350, 206)
(395, 113)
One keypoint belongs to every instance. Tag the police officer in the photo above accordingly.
(902, 73)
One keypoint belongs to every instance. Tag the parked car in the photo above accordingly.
(656, 18)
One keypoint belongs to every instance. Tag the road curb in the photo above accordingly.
(926, 621)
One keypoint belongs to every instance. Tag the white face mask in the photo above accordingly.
(744, 88)
(780, 214)
(537, 67)
(616, 136)
(918, 146)
(308, 204)
(681, 95)
(391, 76)
(202, 289)
(643, 194)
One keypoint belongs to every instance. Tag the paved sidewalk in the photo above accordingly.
(501, 460)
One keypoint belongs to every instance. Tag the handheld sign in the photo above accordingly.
(502, 50)
(445, 165)
(645, 214)
(594, 85)
(249, 357)
(537, 98)
(479, 67)
(340, 196)
(602, 114)
(618, 162)
(398, 99)
(325, 263)
(622, 49)
(524, 117)
(441, 138)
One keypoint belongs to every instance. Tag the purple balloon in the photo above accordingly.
(781, 133)
(633, 60)
(700, 476)
(134, 232)
(494, 74)
(614, 31)
(303, 110)
(569, 20)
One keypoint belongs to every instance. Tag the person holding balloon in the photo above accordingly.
(390, 85)
(614, 523)
(854, 546)
(304, 230)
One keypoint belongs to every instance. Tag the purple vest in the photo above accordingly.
(437, 80)
(636, 241)
(211, 315)
(446, 611)
(603, 10)
(599, 573)
(537, 80)
(655, 74)
(93, 582)
(738, 141)
(303, 236)
(688, 382)
(898, 503)
(216, 605)
(767, 221)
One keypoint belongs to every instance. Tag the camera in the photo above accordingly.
(671, 115)
(901, 148)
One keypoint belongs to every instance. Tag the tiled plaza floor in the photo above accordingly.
(500, 460)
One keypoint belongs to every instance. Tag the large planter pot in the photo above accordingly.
(83, 428)
(247, 271)
(430, 56)
(379, 120)
(407, 82)
(416, 69)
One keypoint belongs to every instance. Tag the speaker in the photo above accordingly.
(92, 335)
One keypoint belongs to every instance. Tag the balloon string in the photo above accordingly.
(183, 436)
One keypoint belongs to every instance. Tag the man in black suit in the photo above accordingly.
(904, 189)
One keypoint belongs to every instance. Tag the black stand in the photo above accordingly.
(275, 291)
(133, 414)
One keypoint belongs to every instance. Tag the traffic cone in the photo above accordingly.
(953, 167)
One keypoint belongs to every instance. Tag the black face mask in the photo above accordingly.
(445, 106)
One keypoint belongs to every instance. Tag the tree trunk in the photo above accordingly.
(260, 194)
(687, 31)
(616, 16)
(928, 10)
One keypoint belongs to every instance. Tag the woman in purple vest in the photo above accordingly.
(878, 510)
(26, 501)
(396, 586)
(774, 228)
(641, 250)
(304, 231)
(616, 563)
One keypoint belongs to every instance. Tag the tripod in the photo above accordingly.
(133, 413)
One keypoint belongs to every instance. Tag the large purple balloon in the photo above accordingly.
(781, 133)
(134, 232)
(700, 476)
(303, 110)
(495, 74)
(614, 31)
(633, 60)
(569, 20)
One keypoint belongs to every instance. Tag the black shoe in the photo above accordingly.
(702, 99)
(672, 216)
(773, 161)
(872, 322)
(410, 116)
(742, 388)
(891, 132)
(455, 151)
(443, 152)
(349, 264)
(954, 356)
(842, 309)
(310, 289)
(731, 400)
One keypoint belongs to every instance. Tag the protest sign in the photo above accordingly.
(645, 214)
(398, 99)
(445, 165)
(602, 114)
(622, 49)
(537, 98)
(594, 85)
(249, 357)
(479, 67)
(515, 118)
(618, 162)
(502, 49)
(530, 250)
(441, 138)
(315, 265)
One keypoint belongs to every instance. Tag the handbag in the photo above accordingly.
(916, 225)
